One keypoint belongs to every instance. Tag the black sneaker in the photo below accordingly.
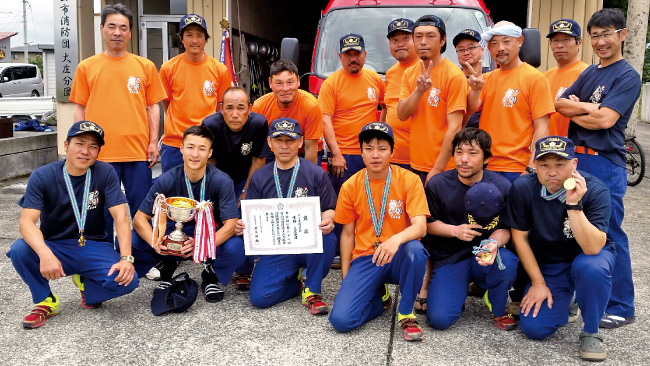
(213, 290)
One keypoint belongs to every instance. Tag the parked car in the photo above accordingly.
(20, 80)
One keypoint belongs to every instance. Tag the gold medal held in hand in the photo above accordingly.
(486, 257)
(570, 184)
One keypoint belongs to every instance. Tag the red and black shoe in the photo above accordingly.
(43, 310)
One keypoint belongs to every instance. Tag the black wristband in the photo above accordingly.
(574, 207)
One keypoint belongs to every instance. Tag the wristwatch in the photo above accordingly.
(244, 190)
(577, 207)
(530, 170)
(128, 258)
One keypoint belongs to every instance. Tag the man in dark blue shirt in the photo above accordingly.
(558, 218)
(198, 180)
(69, 198)
(277, 278)
(455, 231)
(599, 104)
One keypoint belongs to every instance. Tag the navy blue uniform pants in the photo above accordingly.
(136, 179)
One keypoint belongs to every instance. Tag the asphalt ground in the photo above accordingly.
(232, 332)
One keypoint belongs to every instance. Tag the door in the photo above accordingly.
(159, 41)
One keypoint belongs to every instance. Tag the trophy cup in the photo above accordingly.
(179, 209)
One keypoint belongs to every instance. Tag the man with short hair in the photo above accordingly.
(559, 218)
(470, 55)
(348, 99)
(434, 95)
(515, 102)
(69, 198)
(383, 212)
(277, 278)
(565, 38)
(599, 104)
(120, 91)
(458, 200)
(400, 38)
(199, 181)
(194, 82)
(286, 100)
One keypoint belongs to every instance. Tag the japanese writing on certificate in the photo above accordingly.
(282, 226)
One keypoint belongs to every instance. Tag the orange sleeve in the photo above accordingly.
(326, 98)
(345, 212)
(314, 123)
(382, 89)
(405, 89)
(224, 81)
(416, 200)
(155, 89)
(80, 92)
(165, 79)
(541, 100)
(457, 93)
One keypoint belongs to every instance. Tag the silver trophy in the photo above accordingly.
(181, 210)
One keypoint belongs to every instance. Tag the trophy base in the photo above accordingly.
(173, 248)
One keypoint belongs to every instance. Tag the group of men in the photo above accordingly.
(422, 198)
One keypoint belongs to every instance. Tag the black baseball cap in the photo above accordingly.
(285, 126)
(558, 145)
(82, 127)
(467, 34)
(431, 20)
(379, 128)
(400, 24)
(566, 26)
(177, 298)
(352, 41)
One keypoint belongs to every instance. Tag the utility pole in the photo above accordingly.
(25, 29)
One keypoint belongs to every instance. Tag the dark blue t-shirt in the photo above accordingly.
(46, 192)
(446, 195)
(219, 190)
(616, 86)
(547, 222)
(233, 152)
(311, 181)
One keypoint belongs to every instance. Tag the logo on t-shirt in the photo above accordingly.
(133, 84)
(395, 209)
(372, 94)
(300, 192)
(597, 94)
(567, 229)
(246, 148)
(93, 199)
(510, 98)
(434, 97)
(208, 88)
(560, 91)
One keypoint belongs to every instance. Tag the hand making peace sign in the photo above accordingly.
(476, 79)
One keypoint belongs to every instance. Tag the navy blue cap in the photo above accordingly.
(352, 41)
(558, 145)
(400, 24)
(431, 20)
(285, 126)
(190, 19)
(81, 127)
(467, 34)
(377, 127)
(483, 203)
(566, 26)
(177, 298)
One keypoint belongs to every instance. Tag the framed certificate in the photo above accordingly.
(282, 226)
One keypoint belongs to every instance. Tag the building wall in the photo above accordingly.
(544, 12)
(19, 57)
(213, 11)
(49, 79)
(5, 46)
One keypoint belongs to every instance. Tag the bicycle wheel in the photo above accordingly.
(634, 161)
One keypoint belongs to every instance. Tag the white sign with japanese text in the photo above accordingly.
(282, 226)
(66, 46)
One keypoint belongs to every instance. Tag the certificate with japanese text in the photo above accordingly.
(282, 226)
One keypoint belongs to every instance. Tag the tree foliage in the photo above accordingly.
(38, 61)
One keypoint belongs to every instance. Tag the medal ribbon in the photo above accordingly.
(482, 248)
(378, 224)
(80, 217)
(189, 188)
(291, 183)
(204, 243)
(560, 195)
(157, 210)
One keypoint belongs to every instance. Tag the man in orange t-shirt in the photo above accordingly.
(287, 101)
(434, 98)
(120, 92)
(566, 40)
(194, 82)
(383, 210)
(515, 103)
(348, 99)
(400, 38)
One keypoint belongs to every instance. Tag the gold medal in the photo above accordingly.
(376, 245)
(82, 240)
(570, 184)
(485, 257)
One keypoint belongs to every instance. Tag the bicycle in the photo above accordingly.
(634, 161)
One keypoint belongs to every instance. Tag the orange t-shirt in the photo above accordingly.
(511, 101)
(352, 102)
(448, 94)
(305, 110)
(116, 92)
(401, 129)
(405, 199)
(560, 80)
(193, 91)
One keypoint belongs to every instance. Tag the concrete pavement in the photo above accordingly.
(232, 332)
